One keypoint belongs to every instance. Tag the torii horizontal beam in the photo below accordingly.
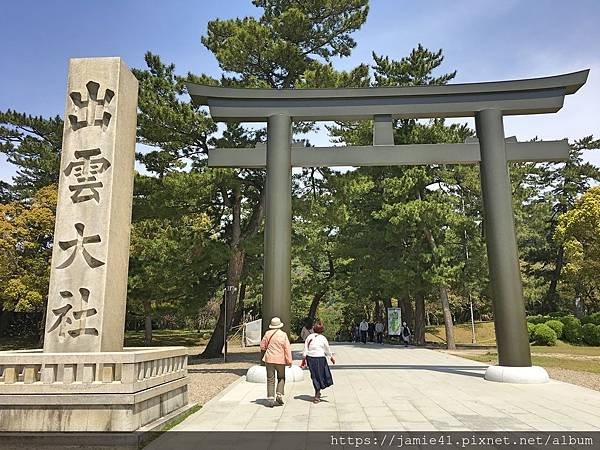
(529, 96)
(389, 155)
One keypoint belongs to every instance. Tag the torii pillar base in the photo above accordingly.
(519, 375)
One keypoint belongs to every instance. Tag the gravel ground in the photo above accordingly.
(208, 377)
(585, 379)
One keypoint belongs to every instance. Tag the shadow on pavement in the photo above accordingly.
(458, 370)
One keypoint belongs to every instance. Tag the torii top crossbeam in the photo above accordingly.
(529, 96)
(382, 104)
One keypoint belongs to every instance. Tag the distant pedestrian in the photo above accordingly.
(364, 328)
(306, 329)
(278, 355)
(379, 327)
(316, 351)
(371, 332)
(406, 334)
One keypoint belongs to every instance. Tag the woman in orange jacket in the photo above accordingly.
(278, 355)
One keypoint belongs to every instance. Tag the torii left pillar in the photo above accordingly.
(278, 222)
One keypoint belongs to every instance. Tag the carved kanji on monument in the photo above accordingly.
(73, 322)
(88, 279)
(86, 169)
(90, 109)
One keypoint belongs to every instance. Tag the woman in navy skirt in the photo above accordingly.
(316, 351)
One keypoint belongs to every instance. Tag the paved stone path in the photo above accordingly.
(381, 387)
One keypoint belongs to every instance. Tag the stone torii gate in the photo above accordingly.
(487, 102)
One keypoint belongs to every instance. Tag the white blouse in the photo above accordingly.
(316, 345)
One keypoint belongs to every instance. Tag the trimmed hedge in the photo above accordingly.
(544, 335)
(590, 334)
(538, 319)
(592, 318)
(557, 326)
(571, 329)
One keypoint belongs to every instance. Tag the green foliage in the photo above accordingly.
(557, 326)
(544, 335)
(590, 334)
(276, 49)
(591, 318)
(33, 144)
(578, 231)
(571, 329)
(531, 331)
(538, 319)
(26, 233)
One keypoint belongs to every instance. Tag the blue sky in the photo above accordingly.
(483, 39)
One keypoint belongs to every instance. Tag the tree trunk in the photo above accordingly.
(377, 310)
(420, 319)
(147, 323)
(450, 344)
(443, 300)
(239, 312)
(550, 303)
(235, 265)
(314, 304)
(407, 312)
(42, 329)
(214, 348)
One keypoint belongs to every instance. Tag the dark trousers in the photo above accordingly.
(363, 336)
(380, 338)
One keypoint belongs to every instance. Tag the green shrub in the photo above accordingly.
(531, 330)
(558, 314)
(590, 334)
(592, 318)
(544, 335)
(571, 329)
(557, 326)
(538, 319)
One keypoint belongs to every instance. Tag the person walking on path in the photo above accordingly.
(364, 328)
(406, 334)
(307, 329)
(316, 351)
(379, 327)
(278, 355)
(371, 332)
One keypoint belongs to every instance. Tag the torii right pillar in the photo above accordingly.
(514, 356)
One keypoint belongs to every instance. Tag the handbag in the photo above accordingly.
(303, 363)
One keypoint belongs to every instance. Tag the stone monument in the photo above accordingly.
(84, 380)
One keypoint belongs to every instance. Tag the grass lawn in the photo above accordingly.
(11, 343)
(484, 333)
(563, 355)
(160, 338)
(580, 365)
(567, 349)
(165, 338)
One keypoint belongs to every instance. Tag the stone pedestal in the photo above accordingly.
(104, 391)
(258, 374)
(519, 375)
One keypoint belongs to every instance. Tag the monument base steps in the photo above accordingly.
(91, 392)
